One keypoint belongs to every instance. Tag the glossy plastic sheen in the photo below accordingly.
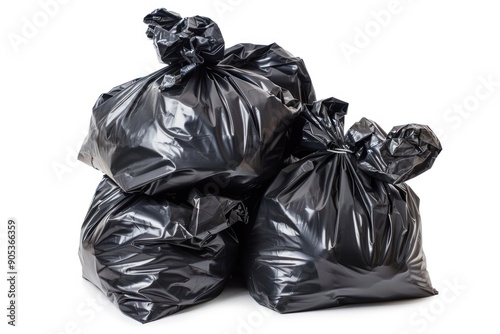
(153, 256)
(276, 64)
(338, 227)
(201, 121)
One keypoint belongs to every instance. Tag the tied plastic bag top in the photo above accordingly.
(198, 121)
(338, 227)
(153, 256)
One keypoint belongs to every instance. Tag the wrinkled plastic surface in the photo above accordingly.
(338, 227)
(153, 256)
(199, 121)
(276, 64)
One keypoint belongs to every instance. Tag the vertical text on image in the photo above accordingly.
(12, 272)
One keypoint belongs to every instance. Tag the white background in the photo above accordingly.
(426, 58)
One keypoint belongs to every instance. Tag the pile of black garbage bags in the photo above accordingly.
(223, 161)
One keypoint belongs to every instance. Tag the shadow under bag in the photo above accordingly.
(339, 226)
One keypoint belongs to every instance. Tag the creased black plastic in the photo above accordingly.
(404, 153)
(190, 41)
(327, 233)
(319, 128)
(276, 64)
(153, 256)
(196, 122)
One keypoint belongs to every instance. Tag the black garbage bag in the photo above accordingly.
(196, 122)
(154, 256)
(338, 227)
(276, 64)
